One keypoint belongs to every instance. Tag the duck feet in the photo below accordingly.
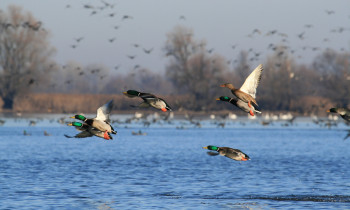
(250, 106)
(251, 113)
(106, 136)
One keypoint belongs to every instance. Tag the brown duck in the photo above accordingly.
(248, 90)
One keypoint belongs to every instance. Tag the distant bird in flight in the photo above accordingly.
(112, 39)
(148, 51)
(79, 39)
(127, 17)
(301, 35)
(329, 12)
(131, 56)
(256, 31)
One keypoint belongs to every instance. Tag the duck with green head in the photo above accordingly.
(247, 91)
(148, 100)
(343, 112)
(101, 122)
(240, 104)
(88, 131)
(231, 153)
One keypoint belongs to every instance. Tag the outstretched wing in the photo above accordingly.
(212, 153)
(83, 134)
(251, 83)
(147, 97)
(103, 111)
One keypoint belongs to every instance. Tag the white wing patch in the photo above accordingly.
(251, 83)
(103, 111)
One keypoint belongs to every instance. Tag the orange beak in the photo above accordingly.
(222, 85)
(164, 109)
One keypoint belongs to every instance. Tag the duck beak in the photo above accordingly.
(218, 99)
(328, 110)
(205, 147)
(70, 124)
(72, 117)
(222, 85)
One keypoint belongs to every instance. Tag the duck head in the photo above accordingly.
(131, 93)
(223, 98)
(245, 157)
(210, 147)
(79, 117)
(76, 124)
(228, 85)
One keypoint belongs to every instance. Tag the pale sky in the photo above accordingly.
(222, 24)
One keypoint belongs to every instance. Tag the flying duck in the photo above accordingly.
(101, 122)
(149, 100)
(240, 104)
(248, 90)
(234, 154)
(343, 112)
(88, 131)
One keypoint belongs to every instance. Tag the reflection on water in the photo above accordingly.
(299, 166)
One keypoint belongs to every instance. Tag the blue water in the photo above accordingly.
(301, 166)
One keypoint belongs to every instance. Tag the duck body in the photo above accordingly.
(98, 124)
(101, 121)
(343, 112)
(240, 104)
(247, 91)
(240, 94)
(88, 131)
(149, 100)
(234, 154)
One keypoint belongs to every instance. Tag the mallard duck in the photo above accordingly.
(88, 131)
(234, 154)
(248, 90)
(101, 121)
(240, 104)
(148, 100)
(343, 112)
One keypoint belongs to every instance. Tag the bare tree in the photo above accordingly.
(335, 76)
(192, 69)
(278, 86)
(24, 54)
(241, 70)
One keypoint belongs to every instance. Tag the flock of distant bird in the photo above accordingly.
(107, 9)
(245, 100)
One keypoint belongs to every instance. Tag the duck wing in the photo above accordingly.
(212, 153)
(104, 111)
(251, 83)
(82, 134)
(147, 97)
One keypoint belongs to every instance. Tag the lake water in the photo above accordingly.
(299, 166)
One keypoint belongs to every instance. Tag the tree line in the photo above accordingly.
(192, 76)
